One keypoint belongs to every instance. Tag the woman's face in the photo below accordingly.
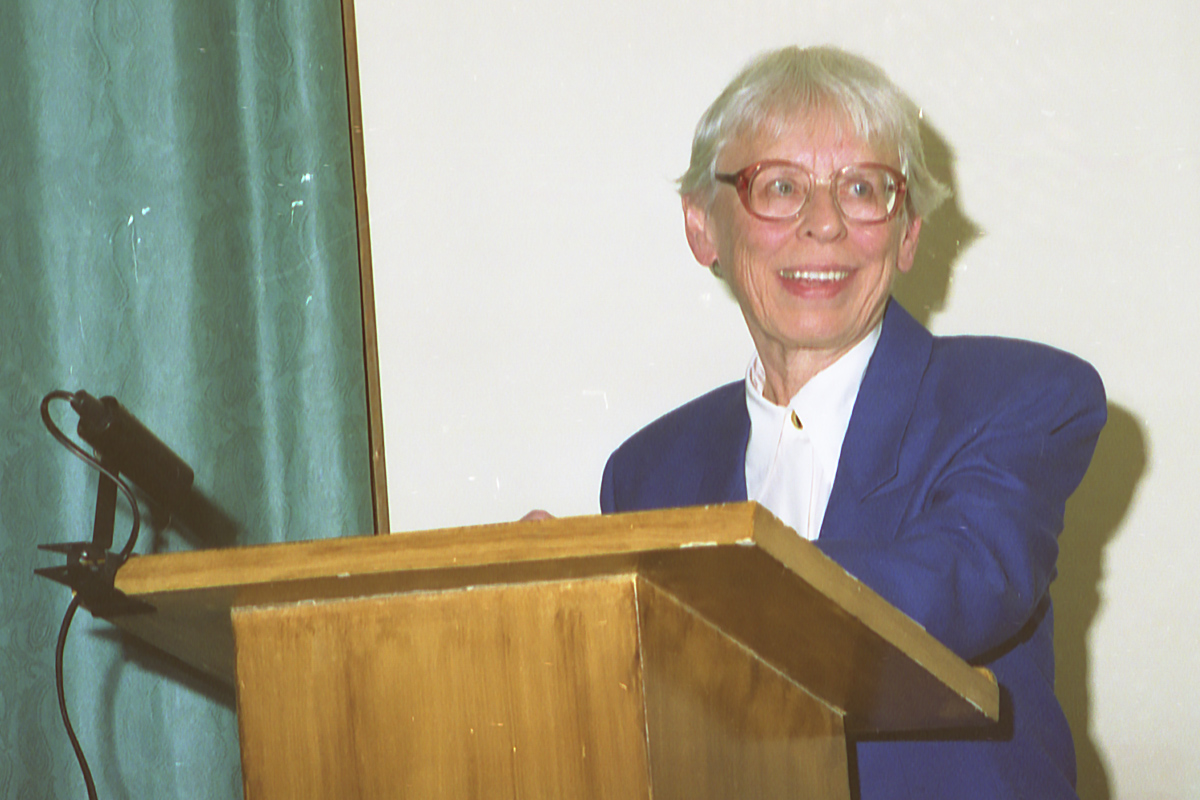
(817, 283)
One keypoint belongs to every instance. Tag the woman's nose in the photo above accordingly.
(822, 219)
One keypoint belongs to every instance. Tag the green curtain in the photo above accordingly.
(177, 229)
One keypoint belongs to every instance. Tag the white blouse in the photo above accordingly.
(792, 457)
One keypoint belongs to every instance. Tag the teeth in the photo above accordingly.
(801, 275)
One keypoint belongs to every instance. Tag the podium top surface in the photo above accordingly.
(735, 565)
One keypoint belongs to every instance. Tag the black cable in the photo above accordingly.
(62, 698)
(75, 600)
(78, 451)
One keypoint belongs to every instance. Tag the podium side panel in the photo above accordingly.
(723, 723)
(529, 691)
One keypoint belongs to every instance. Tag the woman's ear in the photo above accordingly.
(908, 244)
(696, 224)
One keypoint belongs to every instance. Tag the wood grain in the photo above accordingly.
(504, 692)
(804, 615)
(723, 723)
(736, 565)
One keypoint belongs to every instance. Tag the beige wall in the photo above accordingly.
(537, 302)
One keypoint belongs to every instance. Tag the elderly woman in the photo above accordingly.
(935, 470)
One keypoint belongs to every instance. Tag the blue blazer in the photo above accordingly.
(948, 501)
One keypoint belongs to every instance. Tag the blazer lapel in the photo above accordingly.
(871, 450)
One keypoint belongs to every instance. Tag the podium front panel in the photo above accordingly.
(505, 691)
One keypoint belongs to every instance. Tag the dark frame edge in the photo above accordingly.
(379, 499)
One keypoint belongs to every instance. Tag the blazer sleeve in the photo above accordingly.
(973, 552)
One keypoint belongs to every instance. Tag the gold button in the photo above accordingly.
(796, 421)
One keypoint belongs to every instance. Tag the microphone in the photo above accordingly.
(130, 448)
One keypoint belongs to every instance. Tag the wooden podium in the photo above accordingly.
(691, 653)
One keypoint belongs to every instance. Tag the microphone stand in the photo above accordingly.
(122, 444)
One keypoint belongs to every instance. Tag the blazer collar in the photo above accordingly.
(871, 450)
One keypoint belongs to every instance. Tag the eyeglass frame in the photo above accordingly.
(742, 179)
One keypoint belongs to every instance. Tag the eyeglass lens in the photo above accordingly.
(864, 193)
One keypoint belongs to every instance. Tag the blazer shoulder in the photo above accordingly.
(983, 367)
(692, 419)
(993, 366)
(676, 459)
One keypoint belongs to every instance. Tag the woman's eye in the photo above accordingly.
(782, 188)
(861, 189)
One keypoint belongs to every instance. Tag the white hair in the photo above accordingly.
(777, 86)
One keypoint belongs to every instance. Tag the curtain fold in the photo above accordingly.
(178, 230)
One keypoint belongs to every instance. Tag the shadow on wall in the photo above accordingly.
(198, 521)
(1094, 515)
(944, 236)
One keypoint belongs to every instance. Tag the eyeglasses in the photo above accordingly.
(780, 190)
